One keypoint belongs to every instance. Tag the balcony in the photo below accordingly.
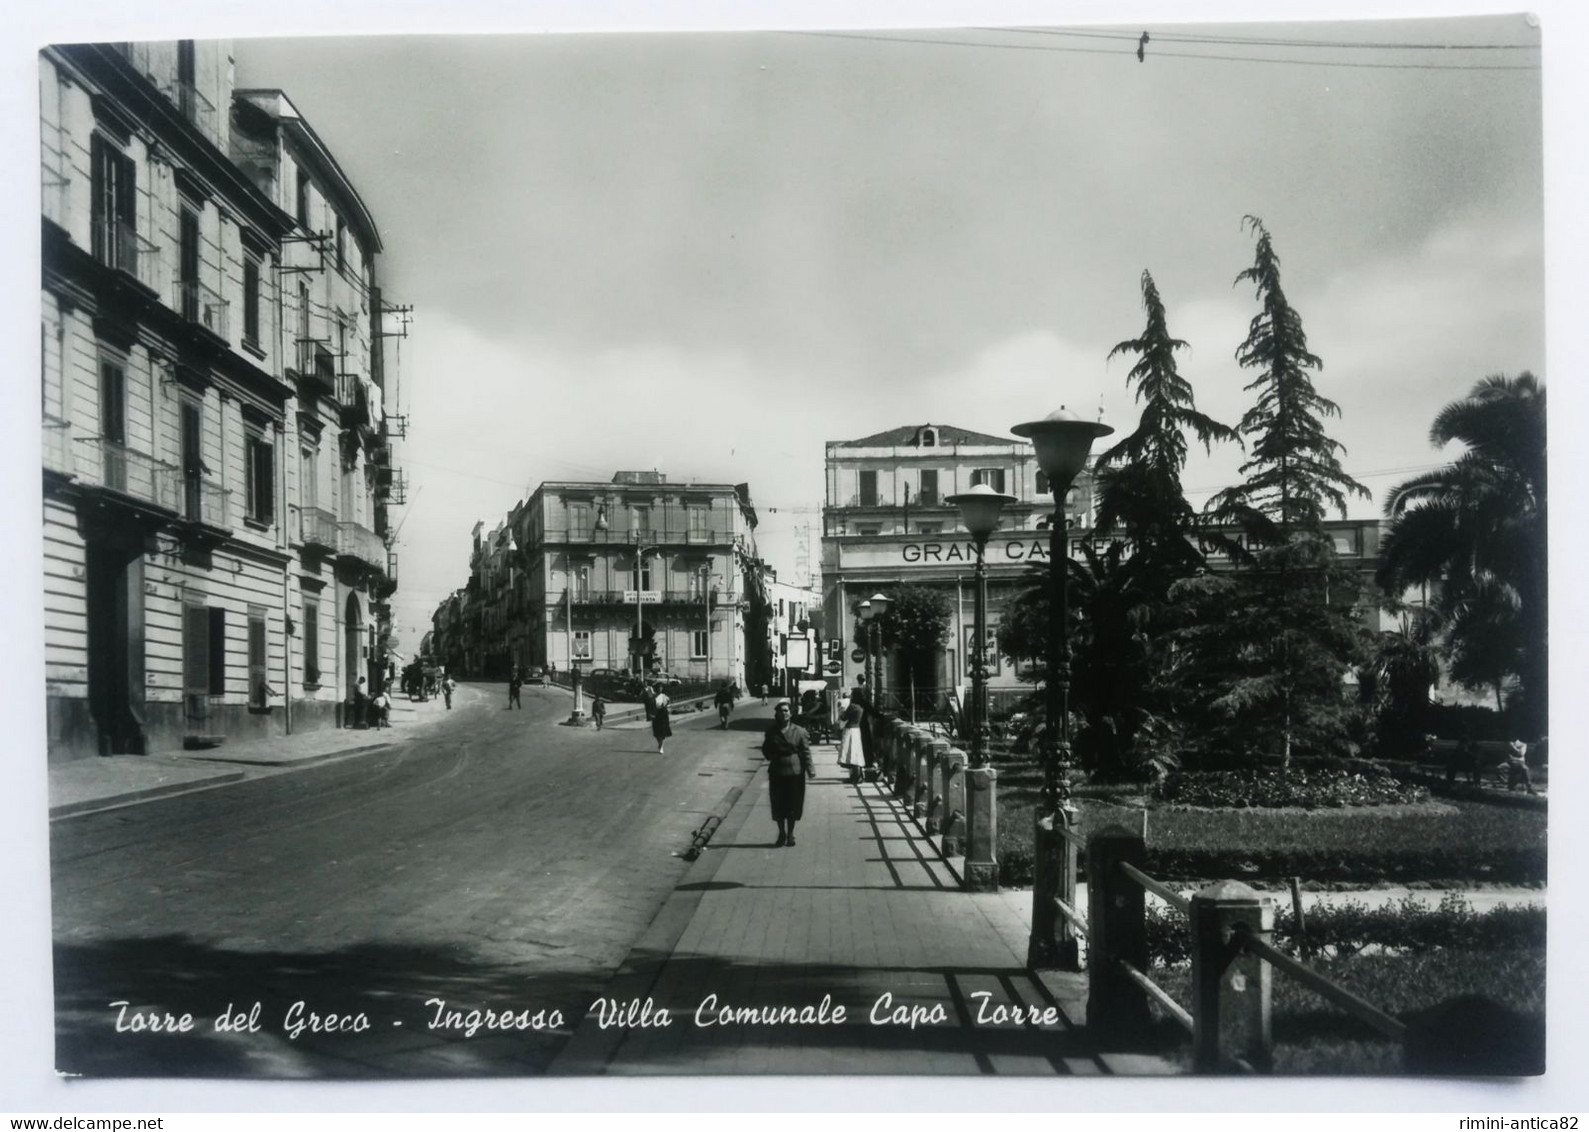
(354, 399)
(359, 543)
(133, 475)
(315, 365)
(118, 246)
(204, 306)
(314, 527)
(58, 447)
(206, 503)
(651, 538)
(195, 108)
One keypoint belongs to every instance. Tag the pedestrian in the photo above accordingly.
(661, 727)
(761, 690)
(648, 696)
(852, 754)
(361, 703)
(788, 753)
(515, 682)
(859, 696)
(1517, 767)
(725, 703)
(598, 712)
(447, 686)
(381, 706)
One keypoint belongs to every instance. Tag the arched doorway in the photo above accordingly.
(352, 647)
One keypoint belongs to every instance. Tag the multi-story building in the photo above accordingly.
(794, 614)
(885, 524)
(633, 573)
(186, 599)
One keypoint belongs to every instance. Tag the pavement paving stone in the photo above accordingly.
(861, 914)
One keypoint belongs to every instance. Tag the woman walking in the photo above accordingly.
(788, 755)
(660, 726)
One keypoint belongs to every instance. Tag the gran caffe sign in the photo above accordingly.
(930, 551)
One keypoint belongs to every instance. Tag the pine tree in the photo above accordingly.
(1267, 647)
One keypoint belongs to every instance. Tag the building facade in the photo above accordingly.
(632, 574)
(886, 522)
(187, 598)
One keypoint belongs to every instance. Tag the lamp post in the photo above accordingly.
(979, 512)
(879, 606)
(863, 636)
(1063, 442)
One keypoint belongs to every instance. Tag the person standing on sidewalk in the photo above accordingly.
(852, 755)
(515, 683)
(788, 753)
(661, 727)
(598, 711)
(862, 698)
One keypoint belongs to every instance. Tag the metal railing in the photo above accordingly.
(353, 395)
(1233, 955)
(205, 501)
(136, 475)
(205, 306)
(651, 538)
(195, 108)
(117, 245)
(58, 446)
(354, 540)
(313, 359)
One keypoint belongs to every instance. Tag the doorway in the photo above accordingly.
(114, 576)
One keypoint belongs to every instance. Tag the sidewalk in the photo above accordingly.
(863, 915)
(84, 785)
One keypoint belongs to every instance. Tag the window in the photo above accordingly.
(645, 574)
(868, 489)
(581, 582)
(188, 263)
(308, 480)
(642, 521)
(698, 528)
(1042, 483)
(251, 300)
(929, 437)
(258, 690)
(698, 643)
(311, 641)
(582, 648)
(112, 401)
(303, 309)
(303, 197)
(929, 488)
(260, 476)
(114, 239)
(579, 520)
(342, 244)
(204, 650)
(993, 477)
(191, 421)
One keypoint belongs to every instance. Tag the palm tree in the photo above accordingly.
(1474, 532)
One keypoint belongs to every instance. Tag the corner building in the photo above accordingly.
(176, 410)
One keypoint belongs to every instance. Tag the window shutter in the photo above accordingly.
(217, 651)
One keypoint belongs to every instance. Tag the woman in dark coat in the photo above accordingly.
(661, 727)
(788, 753)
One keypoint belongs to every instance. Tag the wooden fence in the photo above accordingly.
(1233, 956)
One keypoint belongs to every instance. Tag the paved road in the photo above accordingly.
(500, 863)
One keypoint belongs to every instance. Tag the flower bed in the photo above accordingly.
(1305, 788)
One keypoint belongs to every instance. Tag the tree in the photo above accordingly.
(1267, 648)
(1139, 478)
(916, 625)
(1474, 532)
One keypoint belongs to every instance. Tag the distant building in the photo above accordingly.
(794, 615)
(189, 595)
(633, 574)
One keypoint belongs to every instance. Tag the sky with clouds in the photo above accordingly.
(711, 253)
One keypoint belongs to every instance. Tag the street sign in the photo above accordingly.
(797, 654)
(858, 656)
(834, 667)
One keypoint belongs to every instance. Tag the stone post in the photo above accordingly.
(920, 787)
(1230, 989)
(953, 824)
(1053, 941)
(938, 756)
(1117, 1009)
(982, 834)
(900, 748)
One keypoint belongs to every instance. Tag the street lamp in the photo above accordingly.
(1062, 442)
(979, 511)
(864, 638)
(878, 603)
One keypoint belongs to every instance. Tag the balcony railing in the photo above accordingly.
(118, 246)
(136, 475)
(204, 306)
(314, 361)
(354, 399)
(207, 502)
(195, 108)
(315, 526)
(651, 538)
(361, 544)
(58, 446)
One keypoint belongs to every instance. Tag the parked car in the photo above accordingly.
(537, 675)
